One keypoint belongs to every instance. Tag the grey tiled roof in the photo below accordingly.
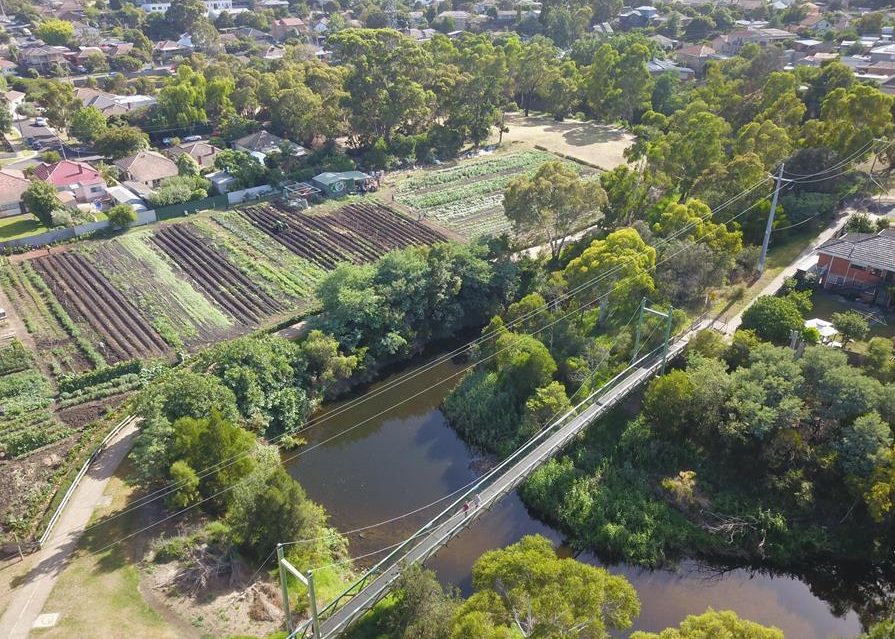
(864, 249)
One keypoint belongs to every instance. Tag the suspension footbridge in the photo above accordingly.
(363, 594)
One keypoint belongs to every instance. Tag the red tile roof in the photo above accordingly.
(67, 173)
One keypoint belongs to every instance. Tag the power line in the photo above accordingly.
(477, 479)
(170, 488)
(347, 430)
(841, 163)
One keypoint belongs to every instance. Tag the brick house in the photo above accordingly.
(81, 180)
(202, 152)
(281, 28)
(860, 263)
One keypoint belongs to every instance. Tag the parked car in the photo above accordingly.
(192, 138)
(40, 122)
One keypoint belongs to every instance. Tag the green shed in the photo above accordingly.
(336, 184)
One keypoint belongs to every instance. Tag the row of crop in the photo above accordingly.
(457, 192)
(62, 316)
(24, 392)
(72, 383)
(475, 168)
(14, 358)
(123, 384)
(278, 271)
(41, 429)
(461, 210)
(177, 310)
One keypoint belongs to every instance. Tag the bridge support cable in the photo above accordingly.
(376, 581)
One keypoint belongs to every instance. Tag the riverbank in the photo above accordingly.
(402, 458)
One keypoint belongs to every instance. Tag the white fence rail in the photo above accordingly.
(71, 489)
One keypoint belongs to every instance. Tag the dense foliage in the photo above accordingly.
(202, 421)
(683, 475)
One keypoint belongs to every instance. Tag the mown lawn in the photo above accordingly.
(17, 226)
(97, 595)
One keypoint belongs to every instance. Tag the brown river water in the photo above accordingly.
(408, 456)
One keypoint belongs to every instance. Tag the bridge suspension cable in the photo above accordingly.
(173, 486)
(396, 404)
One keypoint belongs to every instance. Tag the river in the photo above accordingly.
(392, 463)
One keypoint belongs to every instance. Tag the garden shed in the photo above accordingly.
(336, 184)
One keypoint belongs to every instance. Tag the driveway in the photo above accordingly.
(28, 600)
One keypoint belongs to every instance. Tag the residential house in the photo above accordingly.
(282, 28)
(80, 180)
(695, 57)
(658, 67)
(213, 7)
(43, 58)
(861, 263)
(816, 60)
(7, 67)
(460, 19)
(12, 184)
(115, 49)
(884, 53)
(111, 104)
(420, 35)
(262, 143)
(274, 52)
(637, 18)
(202, 152)
(14, 100)
(148, 168)
(83, 53)
(666, 44)
(166, 50)
(733, 42)
(253, 34)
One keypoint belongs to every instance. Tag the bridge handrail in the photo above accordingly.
(488, 478)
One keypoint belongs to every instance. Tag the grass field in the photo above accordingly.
(12, 228)
(108, 580)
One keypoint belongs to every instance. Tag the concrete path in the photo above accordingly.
(27, 602)
(774, 285)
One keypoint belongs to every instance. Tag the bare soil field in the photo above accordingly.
(229, 287)
(87, 294)
(359, 232)
(597, 144)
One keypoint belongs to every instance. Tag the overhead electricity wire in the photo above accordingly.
(351, 428)
(170, 488)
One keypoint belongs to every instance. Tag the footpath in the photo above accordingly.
(27, 602)
(774, 285)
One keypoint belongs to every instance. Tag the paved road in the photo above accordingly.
(430, 542)
(774, 285)
(44, 134)
(27, 602)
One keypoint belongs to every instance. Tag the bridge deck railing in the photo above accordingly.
(491, 477)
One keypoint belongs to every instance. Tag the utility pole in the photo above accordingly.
(768, 228)
(307, 580)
